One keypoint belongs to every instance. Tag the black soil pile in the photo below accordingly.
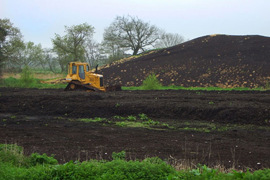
(217, 61)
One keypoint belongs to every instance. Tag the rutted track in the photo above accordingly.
(42, 124)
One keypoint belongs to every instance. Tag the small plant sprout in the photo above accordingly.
(131, 118)
(211, 102)
(117, 105)
(143, 116)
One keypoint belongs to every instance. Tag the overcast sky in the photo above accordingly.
(39, 20)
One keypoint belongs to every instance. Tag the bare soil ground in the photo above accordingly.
(228, 127)
(216, 60)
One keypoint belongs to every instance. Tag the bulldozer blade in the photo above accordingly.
(114, 88)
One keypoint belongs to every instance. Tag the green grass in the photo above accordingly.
(34, 83)
(46, 167)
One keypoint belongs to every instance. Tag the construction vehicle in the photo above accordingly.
(81, 78)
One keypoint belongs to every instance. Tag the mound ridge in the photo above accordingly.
(216, 60)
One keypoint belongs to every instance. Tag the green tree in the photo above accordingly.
(32, 55)
(11, 43)
(132, 33)
(73, 42)
(3, 34)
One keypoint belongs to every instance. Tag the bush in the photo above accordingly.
(121, 155)
(151, 83)
(36, 159)
(12, 154)
(27, 77)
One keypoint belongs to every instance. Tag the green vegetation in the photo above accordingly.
(26, 83)
(15, 165)
(151, 83)
(143, 121)
(96, 119)
(130, 121)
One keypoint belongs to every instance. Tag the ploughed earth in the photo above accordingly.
(229, 128)
(216, 60)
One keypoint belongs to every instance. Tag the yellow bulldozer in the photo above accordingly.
(80, 77)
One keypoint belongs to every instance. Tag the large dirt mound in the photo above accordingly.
(216, 60)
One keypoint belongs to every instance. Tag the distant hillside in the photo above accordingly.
(216, 60)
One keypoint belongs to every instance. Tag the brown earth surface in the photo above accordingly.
(230, 128)
(217, 60)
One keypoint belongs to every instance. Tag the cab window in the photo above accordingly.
(87, 68)
(74, 69)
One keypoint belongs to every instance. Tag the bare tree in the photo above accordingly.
(132, 33)
(50, 59)
(168, 40)
(92, 52)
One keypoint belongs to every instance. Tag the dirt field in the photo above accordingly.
(228, 128)
(208, 61)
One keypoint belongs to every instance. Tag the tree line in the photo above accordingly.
(125, 36)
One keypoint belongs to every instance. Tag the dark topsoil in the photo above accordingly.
(44, 121)
(217, 60)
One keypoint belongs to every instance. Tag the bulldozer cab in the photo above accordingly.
(79, 69)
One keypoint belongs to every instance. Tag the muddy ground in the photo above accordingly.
(228, 127)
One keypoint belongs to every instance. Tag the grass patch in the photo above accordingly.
(96, 119)
(34, 83)
(130, 121)
(44, 167)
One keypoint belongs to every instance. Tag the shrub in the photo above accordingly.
(121, 155)
(36, 159)
(27, 77)
(13, 154)
(151, 83)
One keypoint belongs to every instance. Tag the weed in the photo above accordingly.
(143, 116)
(121, 155)
(117, 105)
(151, 122)
(151, 83)
(36, 159)
(4, 120)
(27, 77)
(96, 119)
(131, 118)
(119, 117)
(121, 124)
(13, 117)
(211, 102)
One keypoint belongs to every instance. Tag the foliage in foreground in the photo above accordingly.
(45, 167)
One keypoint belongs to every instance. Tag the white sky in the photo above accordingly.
(39, 20)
